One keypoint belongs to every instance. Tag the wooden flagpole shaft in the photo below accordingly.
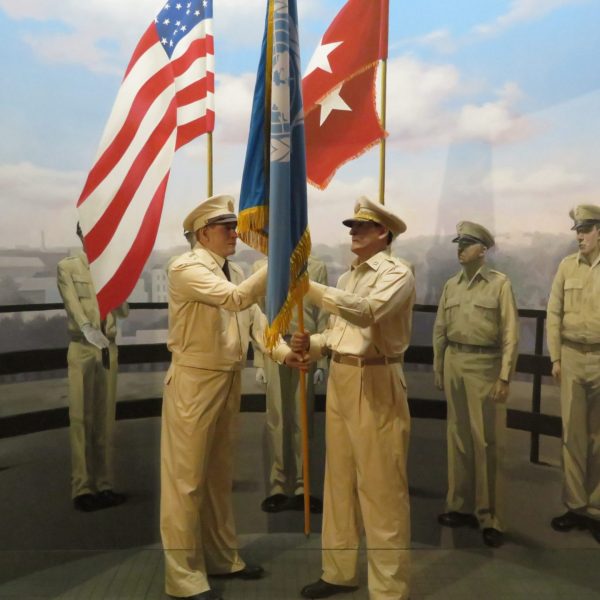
(209, 164)
(304, 425)
(382, 141)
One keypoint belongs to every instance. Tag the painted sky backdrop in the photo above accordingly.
(493, 112)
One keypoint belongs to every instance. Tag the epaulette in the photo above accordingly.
(570, 257)
(187, 259)
(498, 273)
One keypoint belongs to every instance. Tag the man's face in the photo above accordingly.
(367, 238)
(588, 238)
(219, 238)
(470, 252)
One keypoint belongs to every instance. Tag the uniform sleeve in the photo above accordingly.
(122, 311)
(67, 290)
(440, 341)
(258, 323)
(509, 326)
(391, 290)
(555, 315)
(322, 315)
(197, 283)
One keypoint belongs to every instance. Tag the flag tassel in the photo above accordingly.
(298, 288)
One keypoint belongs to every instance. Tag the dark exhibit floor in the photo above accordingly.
(49, 550)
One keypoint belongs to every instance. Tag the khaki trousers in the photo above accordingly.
(476, 428)
(196, 517)
(367, 431)
(580, 408)
(92, 395)
(283, 426)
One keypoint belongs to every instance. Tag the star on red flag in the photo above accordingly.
(338, 89)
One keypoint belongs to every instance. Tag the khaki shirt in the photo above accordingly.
(315, 317)
(209, 321)
(79, 296)
(371, 309)
(480, 312)
(574, 304)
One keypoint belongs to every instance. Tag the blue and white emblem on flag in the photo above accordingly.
(273, 213)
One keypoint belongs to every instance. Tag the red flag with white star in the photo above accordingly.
(338, 89)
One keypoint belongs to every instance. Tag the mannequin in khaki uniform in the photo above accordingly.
(92, 372)
(210, 323)
(367, 419)
(573, 333)
(283, 429)
(475, 346)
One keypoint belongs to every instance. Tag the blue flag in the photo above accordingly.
(273, 216)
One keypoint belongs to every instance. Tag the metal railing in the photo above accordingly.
(27, 361)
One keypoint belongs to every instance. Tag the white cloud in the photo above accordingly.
(440, 40)
(521, 11)
(233, 103)
(424, 107)
(101, 34)
(31, 185)
(546, 180)
(37, 199)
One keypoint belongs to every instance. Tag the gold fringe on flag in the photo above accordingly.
(298, 288)
(251, 227)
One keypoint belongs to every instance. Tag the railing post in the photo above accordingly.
(536, 396)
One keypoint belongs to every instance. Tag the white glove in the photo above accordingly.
(260, 376)
(319, 376)
(94, 336)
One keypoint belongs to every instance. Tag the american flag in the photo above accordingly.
(166, 99)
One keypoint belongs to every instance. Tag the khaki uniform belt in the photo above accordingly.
(581, 347)
(474, 348)
(359, 361)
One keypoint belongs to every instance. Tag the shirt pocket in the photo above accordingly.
(451, 308)
(487, 308)
(573, 290)
(82, 287)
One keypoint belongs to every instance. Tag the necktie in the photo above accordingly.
(226, 270)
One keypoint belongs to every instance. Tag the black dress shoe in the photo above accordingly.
(570, 520)
(297, 503)
(108, 498)
(207, 595)
(456, 519)
(594, 527)
(248, 572)
(492, 537)
(322, 589)
(275, 503)
(86, 503)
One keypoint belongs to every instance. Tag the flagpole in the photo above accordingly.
(383, 52)
(382, 141)
(209, 164)
(304, 425)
